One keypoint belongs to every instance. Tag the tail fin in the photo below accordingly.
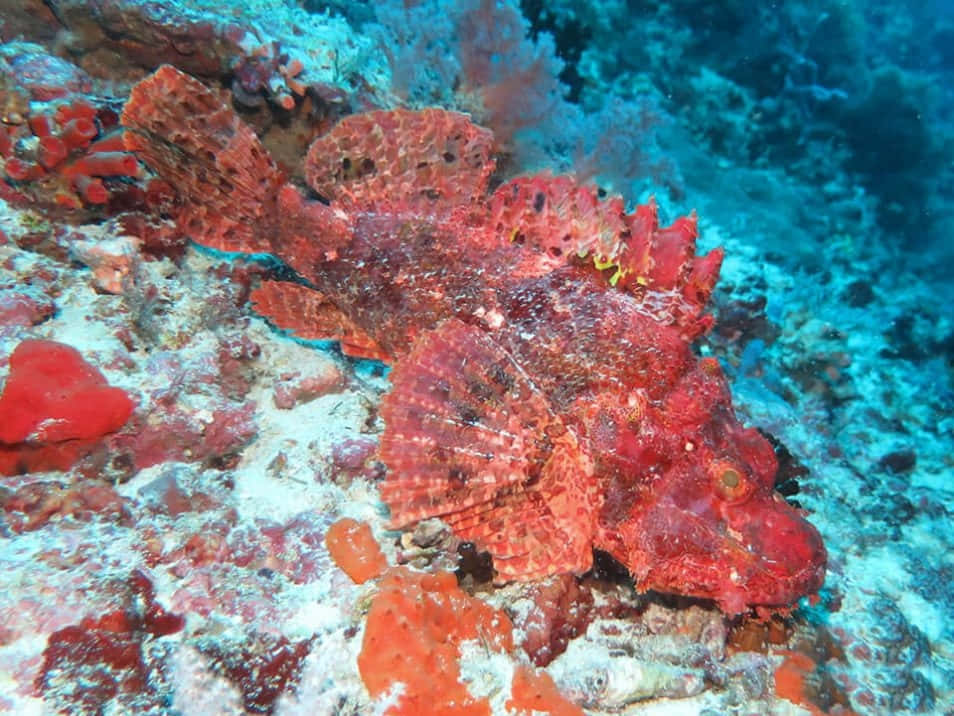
(228, 184)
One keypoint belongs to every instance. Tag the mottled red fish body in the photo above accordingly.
(545, 398)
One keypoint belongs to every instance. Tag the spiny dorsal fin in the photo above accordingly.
(557, 221)
(470, 439)
(400, 155)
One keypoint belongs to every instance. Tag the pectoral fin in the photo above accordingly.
(469, 438)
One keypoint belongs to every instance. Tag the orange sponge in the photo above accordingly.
(414, 630)
(534, 692)
(354, 549)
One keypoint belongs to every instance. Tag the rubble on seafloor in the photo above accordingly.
(197, 559)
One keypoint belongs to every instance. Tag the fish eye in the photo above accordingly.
(730, 482)
(730, 478)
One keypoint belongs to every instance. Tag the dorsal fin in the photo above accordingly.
(557, 218)
(400, 155)
(557, 221)
(231, 195)
(470, 439)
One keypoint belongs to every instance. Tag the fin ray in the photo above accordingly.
(470, 438)
(307, 314)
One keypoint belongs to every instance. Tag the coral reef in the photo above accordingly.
(198, 511)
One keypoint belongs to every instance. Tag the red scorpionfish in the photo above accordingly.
(545, 399)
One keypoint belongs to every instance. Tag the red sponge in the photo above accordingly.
(52, 395)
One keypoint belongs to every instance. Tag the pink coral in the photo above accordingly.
(562, 611)
(175, 433)
(32, 505)
(86, 664)
(22, 308)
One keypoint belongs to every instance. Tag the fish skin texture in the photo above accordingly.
(545, 399)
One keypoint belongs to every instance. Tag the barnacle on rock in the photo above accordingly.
(601, 679)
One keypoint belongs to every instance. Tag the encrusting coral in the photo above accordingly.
(545, 396)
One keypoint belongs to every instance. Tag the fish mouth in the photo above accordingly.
(792, 561)
(792, 586)
(762, 553)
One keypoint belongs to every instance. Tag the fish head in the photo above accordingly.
(694, 511)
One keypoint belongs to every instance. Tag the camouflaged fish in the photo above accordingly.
(545, 399)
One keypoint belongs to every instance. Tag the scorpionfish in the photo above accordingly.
(545, 397)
